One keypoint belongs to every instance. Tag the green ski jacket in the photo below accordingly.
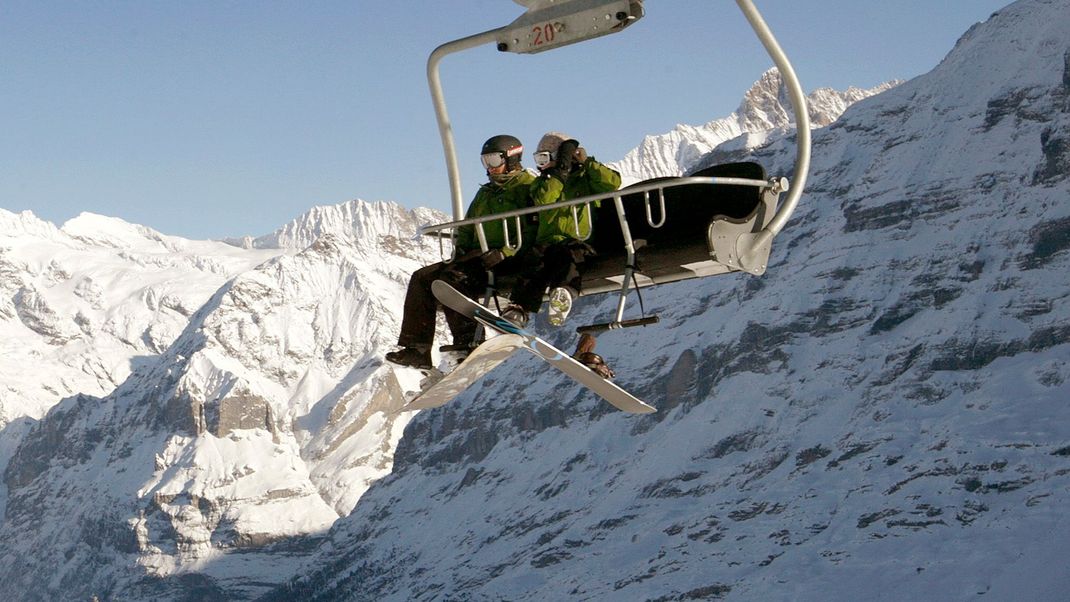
(557, 225)
(494, 198)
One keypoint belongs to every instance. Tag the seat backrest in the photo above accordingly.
(688, 209)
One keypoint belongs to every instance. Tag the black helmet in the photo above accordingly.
(509, 147)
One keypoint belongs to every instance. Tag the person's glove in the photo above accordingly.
(492, 258)
(566, 157)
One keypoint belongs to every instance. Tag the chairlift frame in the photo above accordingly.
(549, 24)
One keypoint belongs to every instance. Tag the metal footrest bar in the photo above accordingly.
(617, 325)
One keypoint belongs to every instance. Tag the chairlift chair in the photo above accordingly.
(718, 220)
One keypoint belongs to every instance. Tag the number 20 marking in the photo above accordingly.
(544, 34)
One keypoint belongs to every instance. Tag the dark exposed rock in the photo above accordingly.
(1023, 103)
(680, 383)
(760, 468)
(55, 439)
(970, 512)
(733, 443)
(1055, 145)
(898, 214)
(550, 558)
(921, 297)
(811, 455)
(915, 524)
(1048, 240)
(852, 451)
(898, 364)
(974, 354)
(709, 592)
(531, 418)
(748, 513)
(670, 487)
(869, 519)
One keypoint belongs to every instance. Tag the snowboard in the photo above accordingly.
(605, 389)
(482, 359)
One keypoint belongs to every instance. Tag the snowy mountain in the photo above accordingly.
(246, 401)
(87, 298)
(765, 108)
(883, 415)
(883, 411)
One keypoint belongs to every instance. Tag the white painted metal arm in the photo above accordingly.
(802, 118)
(445, 130)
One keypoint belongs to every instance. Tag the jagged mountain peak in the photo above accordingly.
(102, 230)
(765, 108)
(264, 420)
(885, 402)
(361, 221)
(26, 223)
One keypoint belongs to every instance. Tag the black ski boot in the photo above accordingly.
(412, 357)
(585, 355)
(516, 314)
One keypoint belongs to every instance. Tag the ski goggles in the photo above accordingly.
(543, 158)
(492, 160)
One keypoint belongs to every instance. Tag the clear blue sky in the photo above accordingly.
(213, 119)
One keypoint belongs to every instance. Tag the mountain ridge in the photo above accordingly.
(762, 110)
(884, 408)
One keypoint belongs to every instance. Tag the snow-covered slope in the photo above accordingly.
(883, 411)
(81, 302)
(765, 108)
(882, 416)
(262, 417)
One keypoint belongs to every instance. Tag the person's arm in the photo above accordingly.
(546, 190)
(466, 239)
(602, 178)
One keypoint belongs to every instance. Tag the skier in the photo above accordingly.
(506, 190)
(556, 259)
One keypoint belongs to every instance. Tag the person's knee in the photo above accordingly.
(428, 272)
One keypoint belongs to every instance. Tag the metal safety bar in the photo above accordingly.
(661, 202)
(776, 183)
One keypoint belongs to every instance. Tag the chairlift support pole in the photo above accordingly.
(545, 26)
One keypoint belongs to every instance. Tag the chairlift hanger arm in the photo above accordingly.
(547, 24)
(802, 116)
(509, 38)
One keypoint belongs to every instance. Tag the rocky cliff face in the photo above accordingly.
(262, 421)
(885, 410)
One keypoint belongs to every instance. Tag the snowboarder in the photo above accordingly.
(506, 190)
(556, 259)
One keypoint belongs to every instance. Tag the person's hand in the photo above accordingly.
(566, 156)
(492, 258)
(466, 255)
(581, 155)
